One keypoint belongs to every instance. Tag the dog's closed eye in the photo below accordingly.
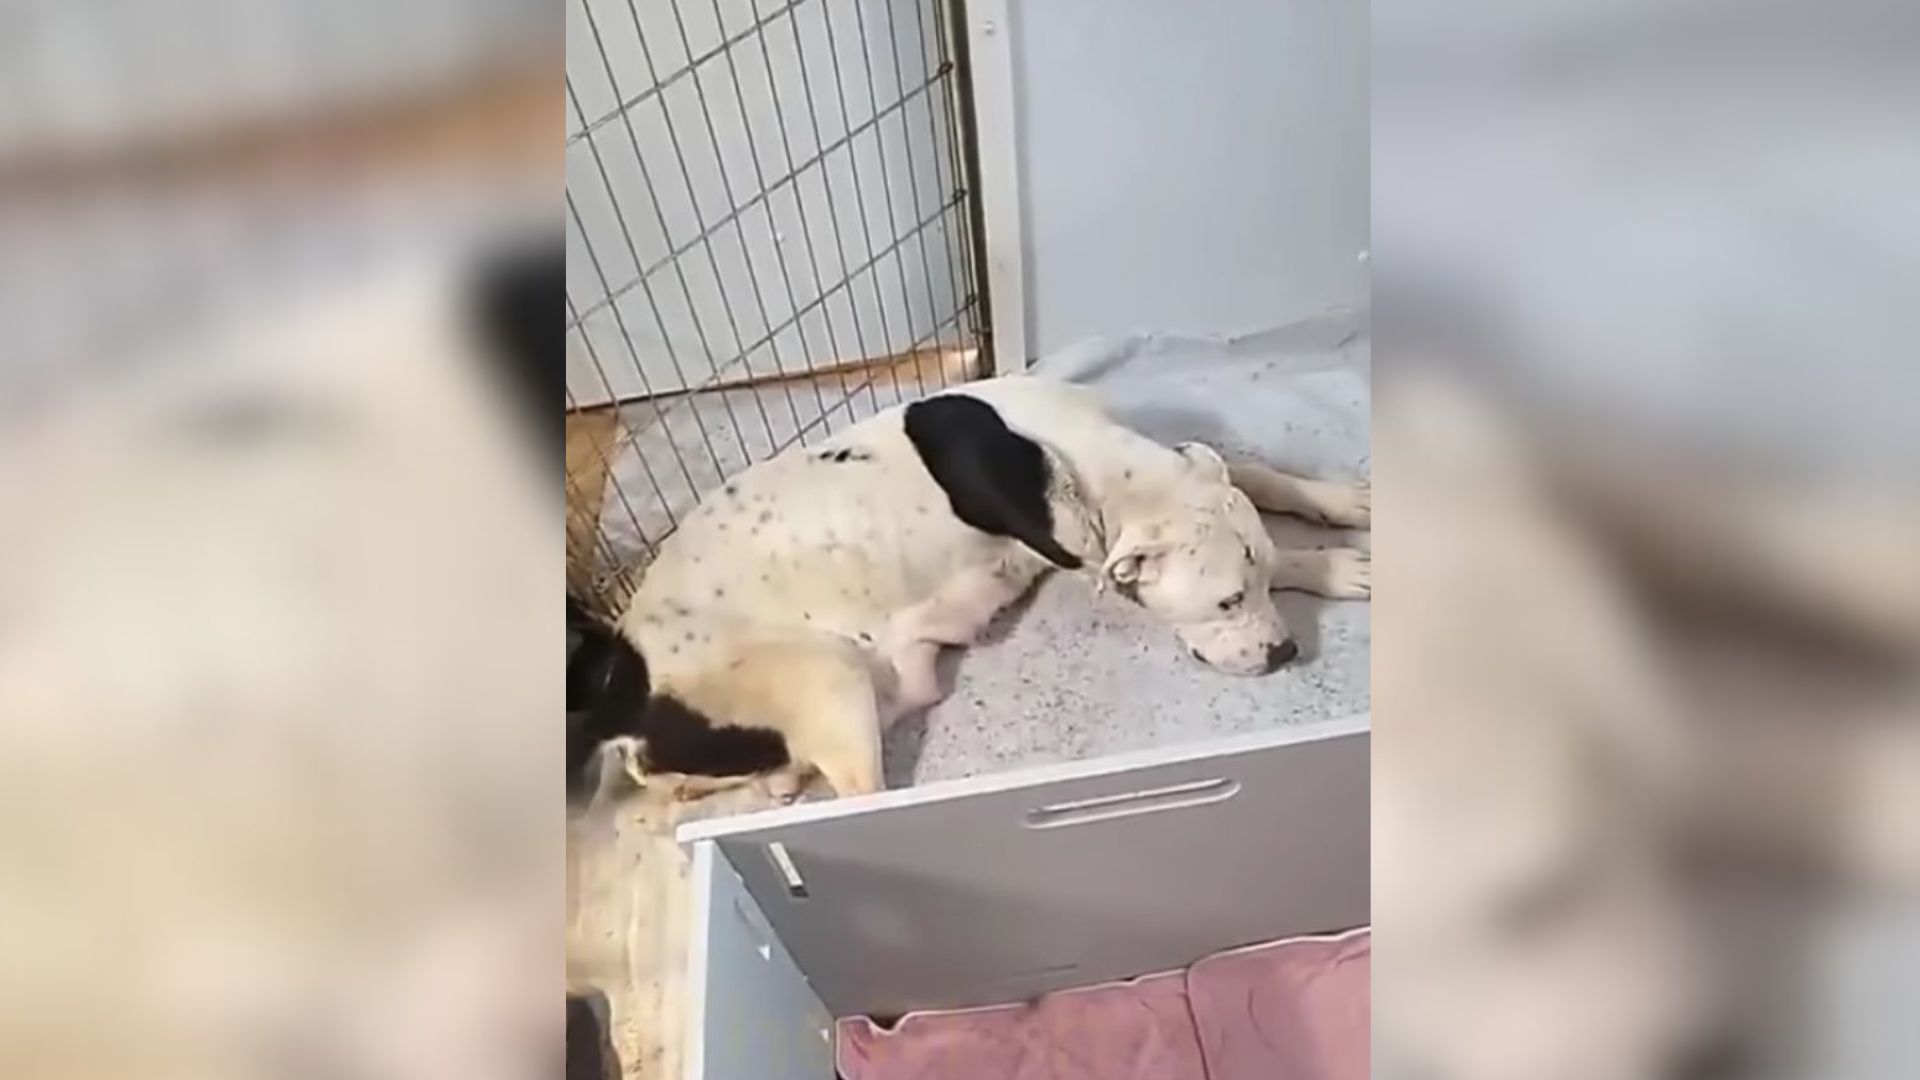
(1233, 601)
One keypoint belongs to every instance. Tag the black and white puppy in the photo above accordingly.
(615, 722)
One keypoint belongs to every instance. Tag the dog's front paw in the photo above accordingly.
(1349, 574)
(1348, 506)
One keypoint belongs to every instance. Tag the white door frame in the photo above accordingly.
(997, 142)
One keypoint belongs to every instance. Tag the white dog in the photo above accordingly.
(812, 595)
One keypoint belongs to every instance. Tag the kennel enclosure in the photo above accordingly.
(769, 237)
(774, 231)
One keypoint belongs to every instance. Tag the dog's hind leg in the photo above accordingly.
(849, 756)
(1339, 573)
(832, 717)
(1339, 505)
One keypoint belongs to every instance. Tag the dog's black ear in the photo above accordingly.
(995, 478)
(517, 307)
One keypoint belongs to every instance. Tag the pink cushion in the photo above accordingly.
(1123, 1031)
(1292, 1010)
(1295, 1010)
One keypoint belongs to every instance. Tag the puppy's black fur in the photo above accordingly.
(589, 1055)
(591, 658)
(996, 479)
(609, 694)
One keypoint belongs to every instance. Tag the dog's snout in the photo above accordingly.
(1283, 653)
(1254, 661)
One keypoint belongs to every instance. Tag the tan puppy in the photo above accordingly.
(628, 905)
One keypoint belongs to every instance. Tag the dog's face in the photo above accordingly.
(1202, 561)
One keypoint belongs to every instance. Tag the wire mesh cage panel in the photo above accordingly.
(767, 240)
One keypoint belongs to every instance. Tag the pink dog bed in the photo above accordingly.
(1291, 1010)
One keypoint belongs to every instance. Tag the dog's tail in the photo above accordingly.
(996, 479)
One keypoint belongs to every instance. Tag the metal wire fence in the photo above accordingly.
(768, 240)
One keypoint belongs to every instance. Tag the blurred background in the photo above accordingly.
(167, 164)
(276, 561)
(1647, 736)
